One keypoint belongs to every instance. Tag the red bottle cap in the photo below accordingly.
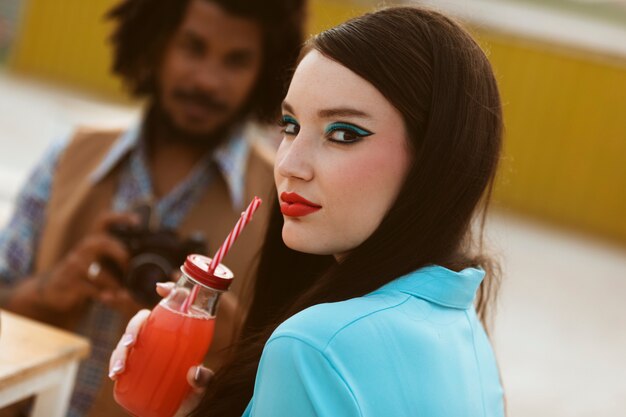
(197, 267)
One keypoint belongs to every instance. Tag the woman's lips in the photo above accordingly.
(294, 205)
(296, 209)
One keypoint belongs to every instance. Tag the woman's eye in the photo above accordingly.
(289, 126)
(343, 136)
(346, 133)
(291, 129)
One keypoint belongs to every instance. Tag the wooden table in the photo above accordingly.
(37, 359)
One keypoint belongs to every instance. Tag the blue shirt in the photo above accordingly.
(415, 347)
(18, 240)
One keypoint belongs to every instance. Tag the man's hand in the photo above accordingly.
(79, 276)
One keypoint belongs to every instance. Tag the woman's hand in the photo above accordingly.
(198, 376)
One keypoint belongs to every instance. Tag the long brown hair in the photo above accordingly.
(436, 75)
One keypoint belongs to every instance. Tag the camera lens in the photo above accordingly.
(145, 271)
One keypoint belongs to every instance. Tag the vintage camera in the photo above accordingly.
(155, 255)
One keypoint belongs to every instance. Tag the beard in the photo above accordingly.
(162, 127)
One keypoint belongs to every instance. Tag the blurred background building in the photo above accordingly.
(559, 227)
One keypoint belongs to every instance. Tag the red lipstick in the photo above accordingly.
(294, 205)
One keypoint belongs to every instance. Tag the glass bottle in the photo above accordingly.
(175, 337)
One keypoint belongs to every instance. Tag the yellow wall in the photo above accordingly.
(324, 14)
(65, 40)
(565, 143)
(564, 109)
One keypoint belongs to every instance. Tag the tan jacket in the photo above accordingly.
(76, 202)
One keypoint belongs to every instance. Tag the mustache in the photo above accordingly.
(207, 101)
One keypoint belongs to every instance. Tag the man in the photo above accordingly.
(208, 68)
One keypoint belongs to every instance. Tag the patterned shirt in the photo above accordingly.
(18, 240)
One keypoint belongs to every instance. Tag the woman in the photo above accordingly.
(392, 134)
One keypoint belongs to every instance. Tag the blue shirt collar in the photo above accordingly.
(230, 157)
(440, 285)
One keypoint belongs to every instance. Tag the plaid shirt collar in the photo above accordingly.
(230, 157)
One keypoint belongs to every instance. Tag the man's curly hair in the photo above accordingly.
(143, 27)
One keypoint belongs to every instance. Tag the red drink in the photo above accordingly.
(154, 382)
(176, 336)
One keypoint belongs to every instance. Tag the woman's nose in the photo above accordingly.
(294, 158)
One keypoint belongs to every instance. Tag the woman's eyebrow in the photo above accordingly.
(334, 112)
(287, 107)
(343, 112)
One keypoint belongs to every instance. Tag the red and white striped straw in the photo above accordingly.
(245, 218)
(190, 299)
